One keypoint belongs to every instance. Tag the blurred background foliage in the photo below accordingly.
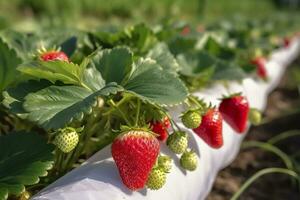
(85, 14)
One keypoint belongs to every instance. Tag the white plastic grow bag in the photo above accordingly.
(98, 178)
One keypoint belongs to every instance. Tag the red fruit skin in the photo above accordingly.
(185, 31)
(54, 55)
(135, 153)
(161, 128)
(210, 129)
(167, 123)
(235, 112)
(260, 63)
(286, 42)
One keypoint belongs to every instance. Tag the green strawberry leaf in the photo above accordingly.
(141, 38)
(4, 193)
(151, 83)
(26, 45)
(66, 72)
(69, 46)
(228, 71)
(8, 64)
(55, 106)
(24, 157)
(92, 79)
(182, 44)
(107, 38)
(217, 49)
(22, 43)
(114, 64)
(196, 63)
(164, 57)
(14, 97)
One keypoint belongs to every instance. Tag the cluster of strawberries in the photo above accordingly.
(136, 151)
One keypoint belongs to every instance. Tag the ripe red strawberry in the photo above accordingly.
(260, 63)
(167, 122)
(235, 111)
(186, 30)
(135, 153)
(160, 128)
(210, 129)
(286, 42)
(54, 55)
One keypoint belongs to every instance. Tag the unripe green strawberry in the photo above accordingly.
(165, 162)
(156, 179)
(189, 160)
(67, 139)
(178, 142)
(255, 116)
(191, 119)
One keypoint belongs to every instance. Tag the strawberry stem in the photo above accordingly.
(137, 112)
(173, 123)
(193, 100)
(112, 103)
(122, 101)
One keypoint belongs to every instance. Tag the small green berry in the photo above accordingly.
(191, 119)
(255, 116)
(66, 140)
(189, 160)
(178, 142)
(165, 162)
(156, 179)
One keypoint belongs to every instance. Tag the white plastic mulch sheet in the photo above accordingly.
(98, 178)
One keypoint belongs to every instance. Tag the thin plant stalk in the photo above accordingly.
(271, 148)
(261, 173)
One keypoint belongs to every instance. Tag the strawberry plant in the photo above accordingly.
(25, 157)
(83, 107)
(72, 93)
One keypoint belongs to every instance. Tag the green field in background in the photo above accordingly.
(27, 14)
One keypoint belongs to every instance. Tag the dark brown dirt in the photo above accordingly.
(282, 114)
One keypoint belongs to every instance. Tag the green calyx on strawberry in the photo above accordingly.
(135, 153)
(66, 139)
(52, 55)
(157, 178)
(178, 142)
(165, 162)
(210, 129)
(160, 127)
(235, 109)
(189, 160)
(191, 118)
(255, 116)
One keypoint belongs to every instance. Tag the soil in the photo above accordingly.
(282, 114)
